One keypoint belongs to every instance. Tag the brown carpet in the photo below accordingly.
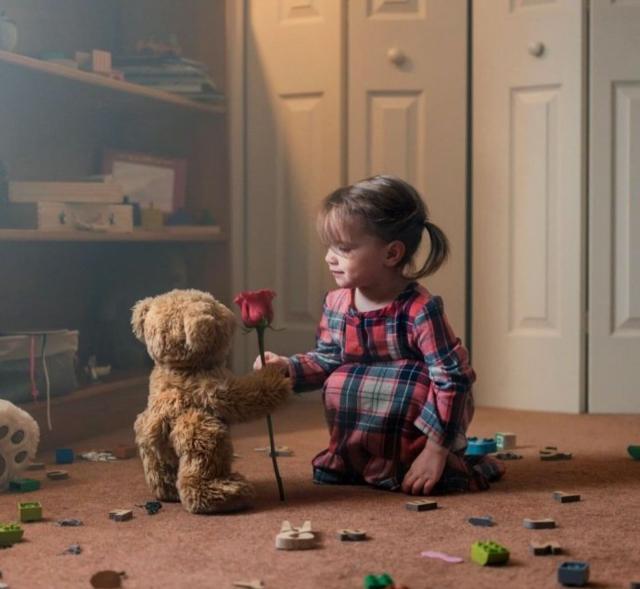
(176, 550)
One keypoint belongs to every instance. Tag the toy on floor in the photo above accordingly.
(24, 485)
(70, 522)
(183, 434)
(539, 524)
(383, 581)
(544, 548)
(253, 584)
(30, 511)
(489, 553)
(36, 466)
(57, 475)
(485, 521)
(508, 456)
(480, 447)
(107, 579)
(280, 450)
(152, 507)
(421, 505)
(64, 456)
(505, 441)
(442, 556)
(10, 534)
(566, 497)
(573, 573)
(351, 535)
(19, 437)
(293, 538)
(551, 453)
(634, 452)
(73, 549)
(121, 515)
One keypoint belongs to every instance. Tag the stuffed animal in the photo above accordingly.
(19, 437)
(183, 434)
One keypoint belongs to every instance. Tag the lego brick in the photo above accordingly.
(566, 497)
(293, 538)
(30, 511)
(634, 452)
(539, 524)
(382, 581)
(421, 505)
(36, 466)
(121, 515)
(24, 485)
(480, 447)
(10, 534)
(505, 441)
(573, 573)
(351, 535)
(152, 507)
(544, 548)
(485, 521)
(64, 456)
(57, 475)
(508, 456)
(123, 452)
(489, 553)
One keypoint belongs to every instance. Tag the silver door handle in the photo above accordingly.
(536, 48)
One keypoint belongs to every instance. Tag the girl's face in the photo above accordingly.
(358, 260)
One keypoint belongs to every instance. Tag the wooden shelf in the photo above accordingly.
(133, 91)
(194, 233)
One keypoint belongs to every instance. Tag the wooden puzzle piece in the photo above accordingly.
(280, 450)
(539, 524)
(352, 535)
(544, 548)
(566, 497)
(293, 538)
(421, 505)
(253, 584)
(121, 515)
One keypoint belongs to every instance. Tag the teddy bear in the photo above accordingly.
(183, 434)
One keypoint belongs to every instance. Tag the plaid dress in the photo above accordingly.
(391, 378)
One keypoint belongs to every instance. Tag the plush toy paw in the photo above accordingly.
(221, 495)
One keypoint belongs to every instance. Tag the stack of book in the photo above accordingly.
(86, 205)
(181, 76)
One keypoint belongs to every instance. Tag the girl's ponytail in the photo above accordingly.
(438, 253)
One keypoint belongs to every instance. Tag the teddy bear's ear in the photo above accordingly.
(138, 315)
(206, 331)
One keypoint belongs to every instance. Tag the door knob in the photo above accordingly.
(396, 56)
(536, 48)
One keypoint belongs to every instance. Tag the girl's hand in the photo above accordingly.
(273, 360)
(426, 470)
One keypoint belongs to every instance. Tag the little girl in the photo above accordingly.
(397, 382)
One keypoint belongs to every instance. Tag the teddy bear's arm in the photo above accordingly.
(254, 395)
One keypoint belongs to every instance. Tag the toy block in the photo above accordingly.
(100, 61)
(123, 452)
(634, 452)
(151, 218)
(489, 553)
(57, 475)
(280, 450)
(10, 534)
(70, 522)
(539, 524)
(565, 497)
(152, 507)
(441, 556)
(544, 548)
(73, 549)
(36, 466)
(508, 456)
(30, 511)
(121, 515)
(485, 521)
(352, 535)
(293, 538)
(64, 456)
(480, 447)
(505, 441)
(253, 584)
(24, 485)
(383, 581)
(553, 456)
(421, 505)
(573, 573)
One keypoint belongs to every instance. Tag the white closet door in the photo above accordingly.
(294, 155)
(407, 107)
(614, 212)
(528, 207)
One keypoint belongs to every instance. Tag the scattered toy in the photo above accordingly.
(10, 534)
(30, 511)
(505, 441)
(121, 515)
(539, 524)
(485, 521)
(152, 507)
(551, 453)
(480, 447)
(64, 456)
(98, 456)
(508, 456)
(489, 553)
(441, 556)
(3, 585)
(383, 581)
(280, 450)
(254, 584)
(574, 573)
(36, 466)
(565, 497)
(57, 475)
(107, 579)
(70, 522)
(544, 548)
(73, 549)
(421, 505)
(124, 452)
(24, 485)
(292, 538)
(352, 535)
(634, 452)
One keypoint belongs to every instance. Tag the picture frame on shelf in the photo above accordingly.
(148, 180)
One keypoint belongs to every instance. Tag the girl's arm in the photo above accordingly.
(450, 374)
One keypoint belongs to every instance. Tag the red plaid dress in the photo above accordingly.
(392, 378)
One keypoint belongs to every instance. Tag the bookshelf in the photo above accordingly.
(57, 122)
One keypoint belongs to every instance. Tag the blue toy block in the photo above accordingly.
(485, 521)
(64, 456)
(573, 573)
(480, 447)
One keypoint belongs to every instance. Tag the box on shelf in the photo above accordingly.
(22, 368)
(61, 216)
(102, 190)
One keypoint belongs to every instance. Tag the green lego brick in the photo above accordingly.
(10, 534)
(378, 581)
(489, 553)
(634, 452)
(24, 485)
(30, 512)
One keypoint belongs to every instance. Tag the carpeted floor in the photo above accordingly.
(176, 550)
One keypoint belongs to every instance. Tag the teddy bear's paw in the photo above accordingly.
(223, 495)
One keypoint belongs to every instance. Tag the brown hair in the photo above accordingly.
(390, 209)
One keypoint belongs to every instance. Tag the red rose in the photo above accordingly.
(255, 307)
